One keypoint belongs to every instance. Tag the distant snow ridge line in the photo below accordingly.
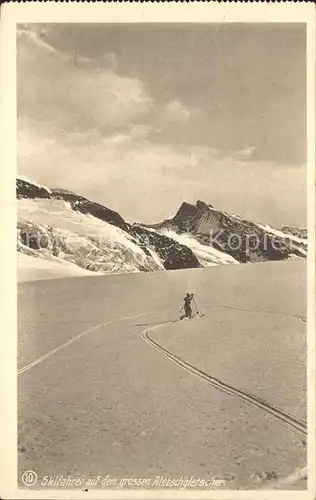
(26, 188)
(295, 231)
(85, 206)
(161, 252)
(172, 255)
(106, 243)
(243, 240)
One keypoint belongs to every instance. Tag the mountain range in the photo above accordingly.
(63, 227)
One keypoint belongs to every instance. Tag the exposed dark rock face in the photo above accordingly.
(85, 206)
(173, 254)
(25, 189)
(243, 240)
(295, 231)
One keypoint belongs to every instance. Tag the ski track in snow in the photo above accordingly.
(291, 421)
(78, 337)
(157, 325)
(284, 418)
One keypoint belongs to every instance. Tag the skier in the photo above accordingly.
(187, 306)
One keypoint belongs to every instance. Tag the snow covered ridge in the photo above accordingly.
(295, 231)
(58, 224)
(25, 188)
(51, 229)
(289, 233)
(26, 180)
(66, 229)
(243, 240)
(207, 255)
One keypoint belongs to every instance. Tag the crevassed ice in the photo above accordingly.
(81, 239)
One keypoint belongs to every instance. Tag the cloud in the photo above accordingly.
(147, 182)
(84, 113)
(75, 93)
(110, 60)
(132, 134)
(34, 36)
(86, 127)
(175, 112)
(245, 153)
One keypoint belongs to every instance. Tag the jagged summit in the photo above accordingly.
(185, 210)
(198, 235)
(189, 210)
(244, 240)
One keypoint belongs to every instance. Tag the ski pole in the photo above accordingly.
(197, 311)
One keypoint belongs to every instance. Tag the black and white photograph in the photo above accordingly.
(162, 247)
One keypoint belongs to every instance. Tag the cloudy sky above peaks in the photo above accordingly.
(143, 117)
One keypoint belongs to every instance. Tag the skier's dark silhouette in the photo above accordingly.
(187, 306)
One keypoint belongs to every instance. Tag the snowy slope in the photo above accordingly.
(32, 268)
(206, 255)
(282, 234)
(297, 244)
(49, 227)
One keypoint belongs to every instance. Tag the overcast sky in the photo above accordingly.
(143, 117)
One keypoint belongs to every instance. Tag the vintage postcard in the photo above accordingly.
(159, 250)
